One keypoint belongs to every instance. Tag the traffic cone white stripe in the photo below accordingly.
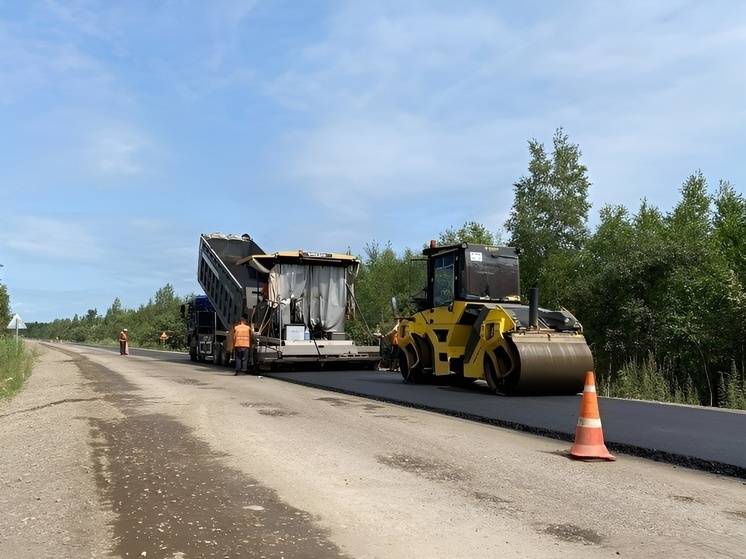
(589, 388)
(587, 422)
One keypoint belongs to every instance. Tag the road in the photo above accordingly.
(136, 457)
(710, 439)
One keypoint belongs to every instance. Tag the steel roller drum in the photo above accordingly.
(550, 363)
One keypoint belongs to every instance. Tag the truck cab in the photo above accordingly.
(203, 329)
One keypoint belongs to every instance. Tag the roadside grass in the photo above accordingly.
(653, 380)
(734, 389)
(16, 362)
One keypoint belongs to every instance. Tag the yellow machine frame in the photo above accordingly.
(493, 340)
(426, 323)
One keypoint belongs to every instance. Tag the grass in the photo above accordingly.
(734, 390)
(649, 380)
(16, 362)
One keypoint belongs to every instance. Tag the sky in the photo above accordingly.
(129, 128)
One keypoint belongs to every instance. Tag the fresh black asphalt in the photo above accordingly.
(702, 438)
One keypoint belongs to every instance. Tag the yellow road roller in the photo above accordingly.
(470, 323)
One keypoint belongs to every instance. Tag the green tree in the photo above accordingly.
(383, 274)
(5, 314)
(550, 208)
(469, 232)
(729, 224)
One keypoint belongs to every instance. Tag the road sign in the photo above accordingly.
(16, 323)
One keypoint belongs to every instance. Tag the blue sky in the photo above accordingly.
(128, 128)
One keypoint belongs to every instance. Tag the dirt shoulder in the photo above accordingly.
(50, 502)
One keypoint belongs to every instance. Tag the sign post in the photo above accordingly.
(17, 324)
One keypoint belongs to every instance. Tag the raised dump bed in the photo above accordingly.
(230, 287)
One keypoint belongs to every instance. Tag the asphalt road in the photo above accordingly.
(708, 439)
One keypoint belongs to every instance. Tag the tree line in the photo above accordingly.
(144, 324)
(660, 293)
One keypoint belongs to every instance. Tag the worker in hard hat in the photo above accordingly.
(123, 342)
(242, 345)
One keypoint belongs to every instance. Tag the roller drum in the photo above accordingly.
(549, 363)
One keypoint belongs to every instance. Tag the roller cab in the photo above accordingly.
(471, 324)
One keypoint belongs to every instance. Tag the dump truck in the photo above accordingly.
(470, 323)
(297, 303)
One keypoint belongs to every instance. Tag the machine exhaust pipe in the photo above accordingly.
(533, 307)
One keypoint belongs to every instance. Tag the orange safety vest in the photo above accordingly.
(242, 336)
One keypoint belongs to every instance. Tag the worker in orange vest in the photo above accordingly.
(242, 345)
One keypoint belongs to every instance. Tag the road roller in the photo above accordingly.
(469, 324)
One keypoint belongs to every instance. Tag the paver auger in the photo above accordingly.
(470, 323)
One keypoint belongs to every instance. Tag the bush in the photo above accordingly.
(16, 362)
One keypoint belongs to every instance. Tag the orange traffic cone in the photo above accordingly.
(589, 435)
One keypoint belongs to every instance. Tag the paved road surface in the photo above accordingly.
(710, 439)
(144, 458)
(714, 440)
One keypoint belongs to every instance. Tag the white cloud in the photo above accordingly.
(71, 111)
(30, 63)
(85, 148)
(224, 18)
(402, 100)
(116, 151)
(51, 238)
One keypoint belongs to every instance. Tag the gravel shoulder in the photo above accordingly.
(49, 500)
